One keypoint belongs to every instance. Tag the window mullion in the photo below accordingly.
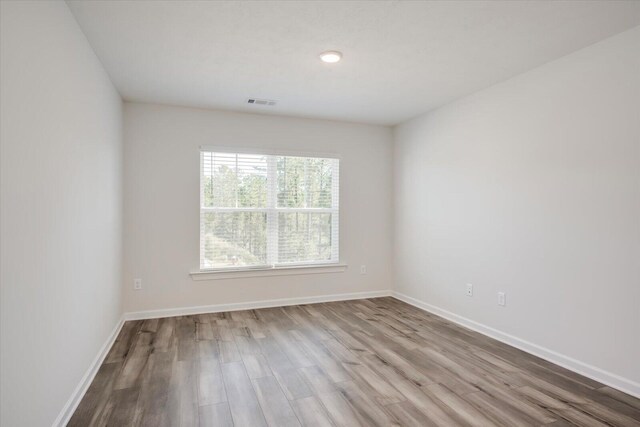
(272, 214)
(335, 206)
(202, 179)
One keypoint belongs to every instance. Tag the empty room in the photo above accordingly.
(319, 213)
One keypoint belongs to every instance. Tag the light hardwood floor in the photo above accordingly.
(366, 362)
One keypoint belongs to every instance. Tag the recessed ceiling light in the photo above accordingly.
(331, 56)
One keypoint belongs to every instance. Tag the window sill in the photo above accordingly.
(267, 271)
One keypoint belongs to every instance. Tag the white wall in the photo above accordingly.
(61, 209)
(532, 187)
(162, 203)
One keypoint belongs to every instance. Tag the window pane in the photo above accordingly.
(234, 239)
(304, 237)
(304, 182)
(319, 183)
(252, 181)
(234, 180)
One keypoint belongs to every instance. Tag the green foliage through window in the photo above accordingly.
(259, 210)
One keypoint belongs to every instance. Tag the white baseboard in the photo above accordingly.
(216, 308)
(72, 404)
(589, 371)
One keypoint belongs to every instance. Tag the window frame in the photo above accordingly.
(272, 211)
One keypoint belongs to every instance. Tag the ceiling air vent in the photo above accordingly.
(256, 101)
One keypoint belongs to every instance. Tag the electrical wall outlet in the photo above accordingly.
(469, 290)
(502, 299)
(137, 284)
(363, 269)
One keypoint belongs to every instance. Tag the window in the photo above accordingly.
(267, 210)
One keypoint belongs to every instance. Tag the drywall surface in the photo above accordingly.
(61, 210)
(532, 187)
(162, 167)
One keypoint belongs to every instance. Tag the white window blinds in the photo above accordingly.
(267, 210)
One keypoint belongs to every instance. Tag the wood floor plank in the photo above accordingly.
(408, 415)
(182, 401)
(256, 365)
(203, 329)
(256, 328)
(323, 357)
(500, 413)
(218, 415)
(165, 334)
(210, 383)
(276, 358)
(208, 349)
(508, 397)
(381, 390)
(292, 383)
(317, 380)
(291, 347)
(425, 404)
(245, 409)
(619, 401)
(135, 362)
(120, 408)
(394, 368)
(97, 396)
(229, 352)
(350, 363)
(311, 413)
(123, 344)
(275, 406)
(221, 330)
(152, 408)
(339, 410)
(364, 406)
(247, 345)
(560, 408)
